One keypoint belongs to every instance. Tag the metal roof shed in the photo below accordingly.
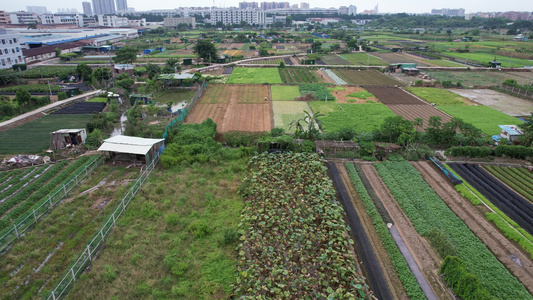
(123, 147)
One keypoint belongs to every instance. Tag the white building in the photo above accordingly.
(352, 10)
(51, 19)
(10, 51)
(276, 19)
(174, 22)
(22, 17)
(112, 21)
(449, 12)
(237, 15)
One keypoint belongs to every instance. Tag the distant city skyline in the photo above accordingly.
(385, 6)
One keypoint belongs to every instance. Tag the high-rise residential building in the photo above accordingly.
(36, 9)
(104, 7)
(87, 9)
(235, 16)
(352, 10)
(449, 12)
(304, 5)
(122, 5)
(274, 5)
(248, 5)
(174, 22)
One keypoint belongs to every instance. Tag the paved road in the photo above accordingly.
(47, 108)
(422, 282)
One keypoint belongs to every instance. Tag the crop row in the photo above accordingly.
(296, 75)
(26, 195)
(8, 204)
(32, 88)
(6, 176)
(501, 220)
(404, 273)
(319, 90)
(47, 72)
(427, 212)
(43, 190)
(294, 242)
(515, 179)
(11, 183)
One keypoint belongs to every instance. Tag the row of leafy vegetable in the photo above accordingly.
(22, 180)
(32, 88)
(319, 90)
(35, 193)
(294, 242)
(6, 176)
(406, 276)
(429, 213)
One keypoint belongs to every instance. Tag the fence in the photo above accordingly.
(98, 239)
(185, 110)
(516, 91)
(32, 217)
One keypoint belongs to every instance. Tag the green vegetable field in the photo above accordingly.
(427, 212)
(482, 117)
(34, 137)
(284, 93)
(255, 75)
(438, 96)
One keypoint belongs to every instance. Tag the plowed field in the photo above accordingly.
(424, 112)
(392, 95)
(365, 77)
(234, 108)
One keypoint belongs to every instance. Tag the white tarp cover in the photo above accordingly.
(128, 144)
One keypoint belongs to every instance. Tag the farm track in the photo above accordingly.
(365, 251)
(505, 251)
(393, 281)
(425, 257)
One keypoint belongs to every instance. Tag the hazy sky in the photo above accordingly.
(392, 6)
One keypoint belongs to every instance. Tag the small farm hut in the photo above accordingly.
(384, 149)
(510, 132)
(129, 148)
(62, 138)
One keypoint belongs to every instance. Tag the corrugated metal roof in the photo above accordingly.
(132, 140)
(123, 148)
(68, 130)
(511, 129)
(176, 76)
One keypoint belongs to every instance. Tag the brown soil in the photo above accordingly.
(393, 281)
(324, 77)
(393, 95)
(424, 112)
(495, 241)
(342, 95)
(426, 259)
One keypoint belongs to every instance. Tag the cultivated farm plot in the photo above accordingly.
(481, 78)
(486, 57)
(287, 111)
(438, 96)
(235, 52)
(424, 112)
(519, 179)
(393, 95)
(234, 108)
(334, 59)
(507, 104)
(364, 59)
(275, 61)
(484, 118)
(352, 94)
(34, 137)
(255, 76)
(284, 93)
(399, 58)
(297, 75)
(365, 77)
(365, 117)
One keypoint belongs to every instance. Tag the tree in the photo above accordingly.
(395, 127)
(125, 55)
(23, 97)
(172, 63)
(313, 125)
(32, 25)
(527, 128)
(102, 73)
(85, 72)
(153, 70)
(58, 52)
(205, 50)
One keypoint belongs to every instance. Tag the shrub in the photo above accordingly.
(172, 219)
(465, 285)
(230, 236)
(62, 96)
(199, 228)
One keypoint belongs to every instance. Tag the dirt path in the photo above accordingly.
(324, 77)
(507, 252)
(393, 281)
(426, 259)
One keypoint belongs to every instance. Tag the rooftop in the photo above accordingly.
(511, 129)
(129, 144)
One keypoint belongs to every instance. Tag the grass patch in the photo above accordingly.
(34, 137)
(98, 99)
(287, 111)
(363, 59)
(365, 117)
(174, 96)
(176, 240)
(337, 88)
(284, 92)
(484, 58)
(483, 117)
(255, 75)
(361, 95)
(438, 96)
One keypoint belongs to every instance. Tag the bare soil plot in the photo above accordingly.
(474, 217)
(393, 95)
(334, 59)
(482, 78)
(323, 77)
(365, 77)
(234, 108)
(507, 104)
(224, 93)
(424, 112)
